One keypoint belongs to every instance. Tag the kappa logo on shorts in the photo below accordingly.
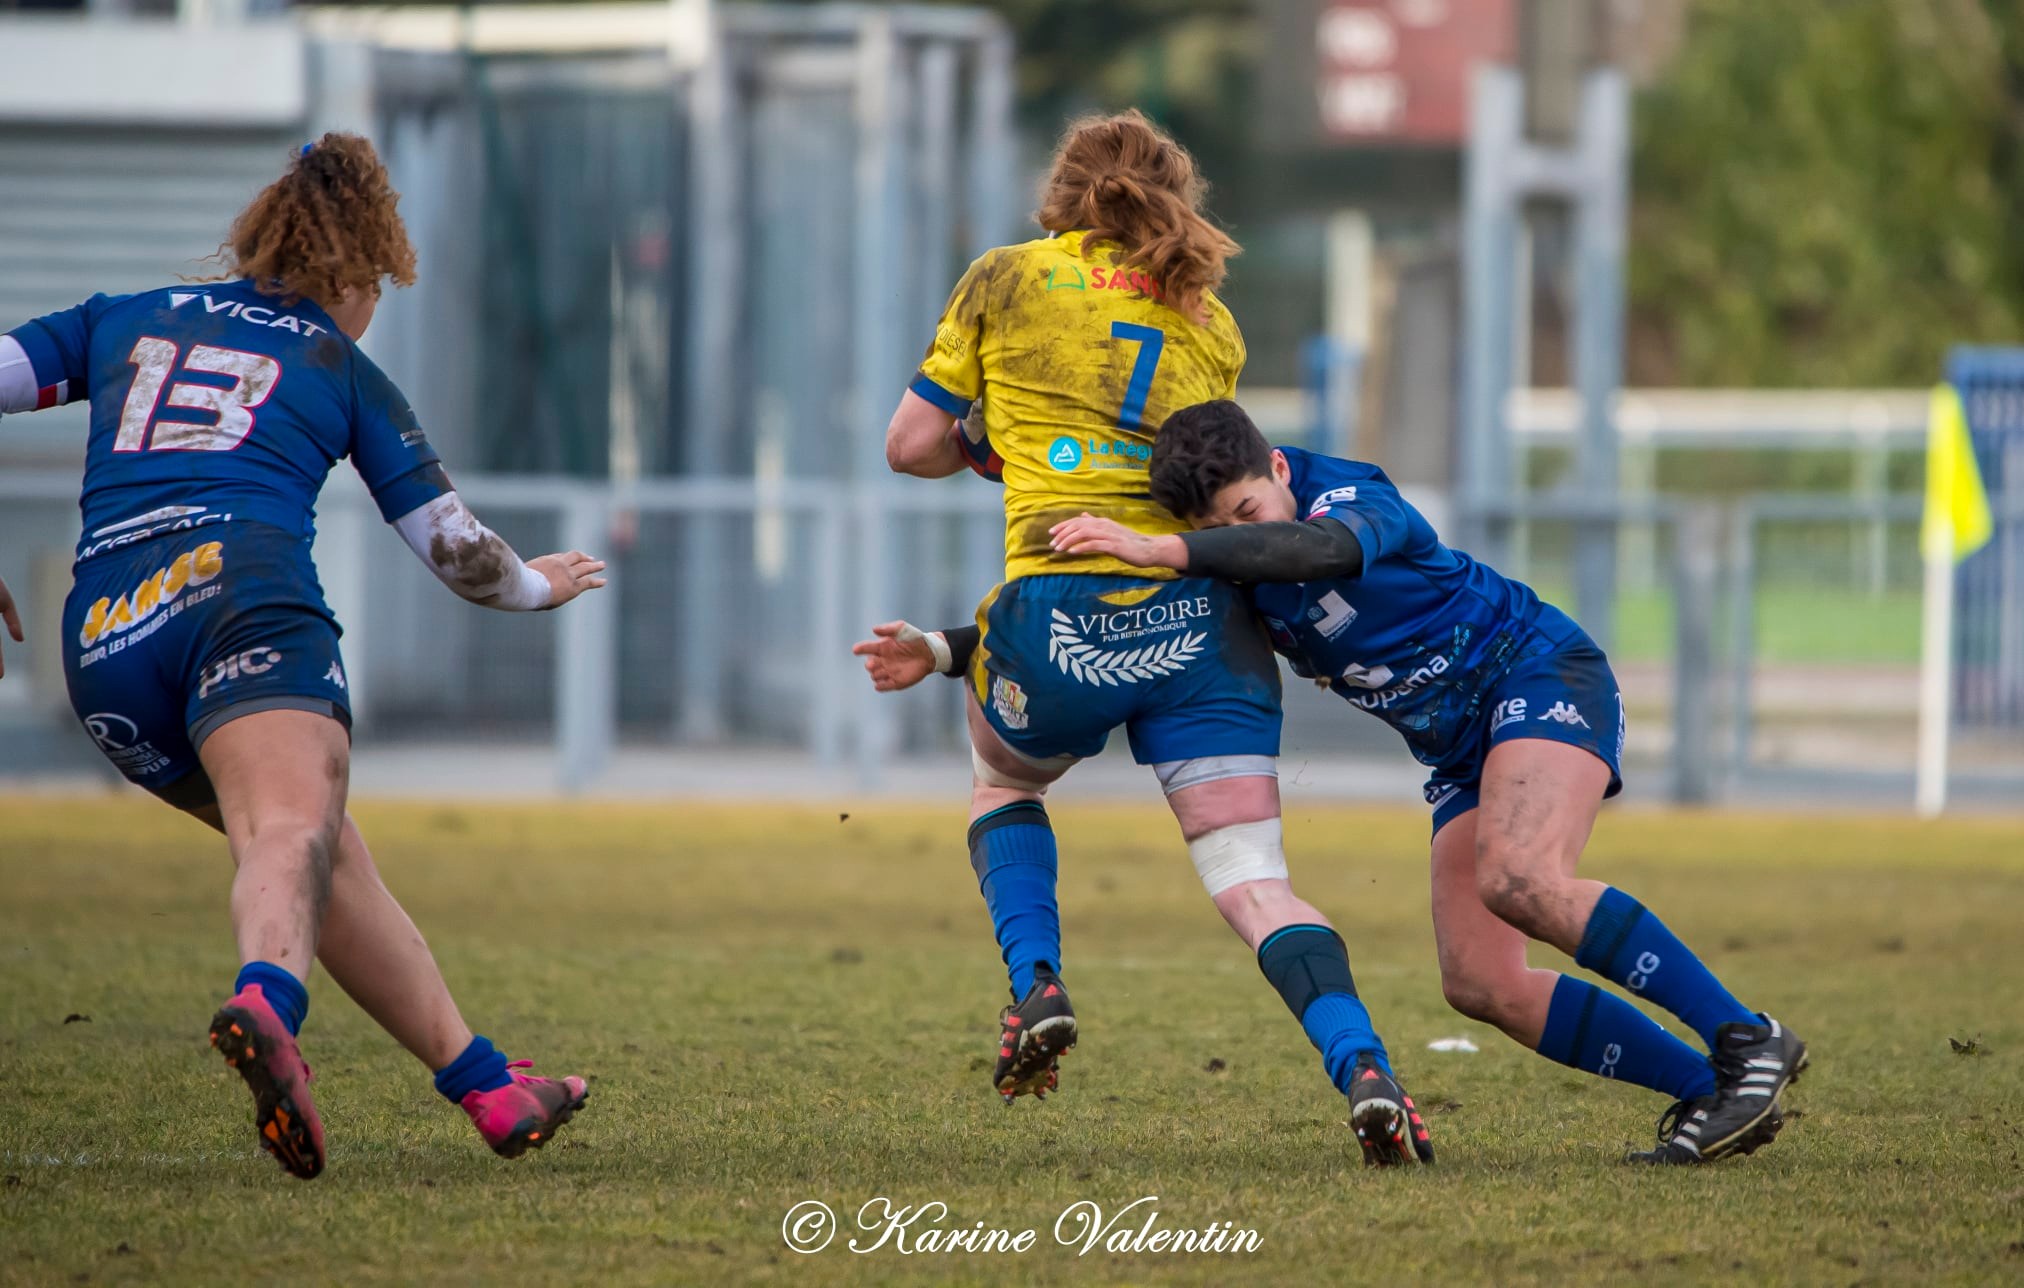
(1076, 656)
(1564, 713)
(335, 675)
(1009, 701)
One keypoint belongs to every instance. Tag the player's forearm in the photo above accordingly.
(1266, 552)
(471, 559)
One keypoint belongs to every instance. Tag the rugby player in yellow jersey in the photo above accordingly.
(1078, 345)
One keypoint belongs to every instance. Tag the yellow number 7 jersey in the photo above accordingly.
(1078, 363)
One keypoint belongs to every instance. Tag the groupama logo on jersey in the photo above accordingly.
(154, 594)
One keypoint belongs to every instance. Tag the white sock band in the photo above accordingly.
(1238, 853)
(1176, 774)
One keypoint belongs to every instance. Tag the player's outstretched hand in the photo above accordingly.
(12, 616)
(898, 659)
(1088, 535)
(569, 575)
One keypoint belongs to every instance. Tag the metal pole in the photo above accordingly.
(1599, 219)
(878, 366)
(1490, 250)
(586, 655)
(1696, 561)
(1743, 643)
(1936, 675)
(715, 304)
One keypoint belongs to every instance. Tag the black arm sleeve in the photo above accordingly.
(963, 641)
(1274, 551)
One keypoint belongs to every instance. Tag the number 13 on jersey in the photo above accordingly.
(253, 376)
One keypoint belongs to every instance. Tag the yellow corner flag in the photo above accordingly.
(1957, 507)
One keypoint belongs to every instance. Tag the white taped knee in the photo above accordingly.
(1230, 856)
(1177, 774)
(991, 776)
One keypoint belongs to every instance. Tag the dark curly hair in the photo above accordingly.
(329, 223)
(1201, 450)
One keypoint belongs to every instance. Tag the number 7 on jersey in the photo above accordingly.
(1151, 342)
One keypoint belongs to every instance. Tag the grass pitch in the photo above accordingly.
(779, 1005)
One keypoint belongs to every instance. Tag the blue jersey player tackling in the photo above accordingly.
(1514, 710)
(197, 648)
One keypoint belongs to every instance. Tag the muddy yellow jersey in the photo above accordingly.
(1078, 363)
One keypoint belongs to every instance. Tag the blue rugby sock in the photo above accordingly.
(1012, 850)
(1309, 967)
(481, 1067)
(282, 990)
(1625, 944)
(1338, 1024)
(1598, 1032)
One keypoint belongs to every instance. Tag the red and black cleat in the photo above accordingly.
(1387, 1124)
(254, 1041)
(1034, 1034)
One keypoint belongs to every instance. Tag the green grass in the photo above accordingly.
(780, 1005)
(1796, 625)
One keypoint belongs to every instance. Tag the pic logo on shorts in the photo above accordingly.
(154, 593)
(254, 661)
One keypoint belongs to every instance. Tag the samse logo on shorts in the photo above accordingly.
(191, 568)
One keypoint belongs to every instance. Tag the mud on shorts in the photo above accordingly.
(1562, 692)
(167, 640)
(1183, 665)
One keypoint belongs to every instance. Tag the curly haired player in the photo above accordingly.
(1515, 710)
(197, 648)
(1078, 344)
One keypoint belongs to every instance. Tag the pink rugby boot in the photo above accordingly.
(254, 1041)
(526, 1111)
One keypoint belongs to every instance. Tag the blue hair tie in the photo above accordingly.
(306, 149)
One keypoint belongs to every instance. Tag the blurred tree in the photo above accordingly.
(1829, 194)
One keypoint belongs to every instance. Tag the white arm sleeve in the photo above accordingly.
(18, 390)
(470, 558)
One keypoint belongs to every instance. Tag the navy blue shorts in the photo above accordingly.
(1183, 665)
(1562, 692)
(169, 639)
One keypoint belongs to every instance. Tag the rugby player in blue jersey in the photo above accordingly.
(1517, 714)
(197, 648)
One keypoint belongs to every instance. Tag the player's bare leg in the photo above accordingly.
(280, 778)
(1232, 828)
(374, 953)
(1012, 851)
(1539, 800)
(1484, 974)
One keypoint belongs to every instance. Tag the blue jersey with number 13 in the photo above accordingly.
(213, 403)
